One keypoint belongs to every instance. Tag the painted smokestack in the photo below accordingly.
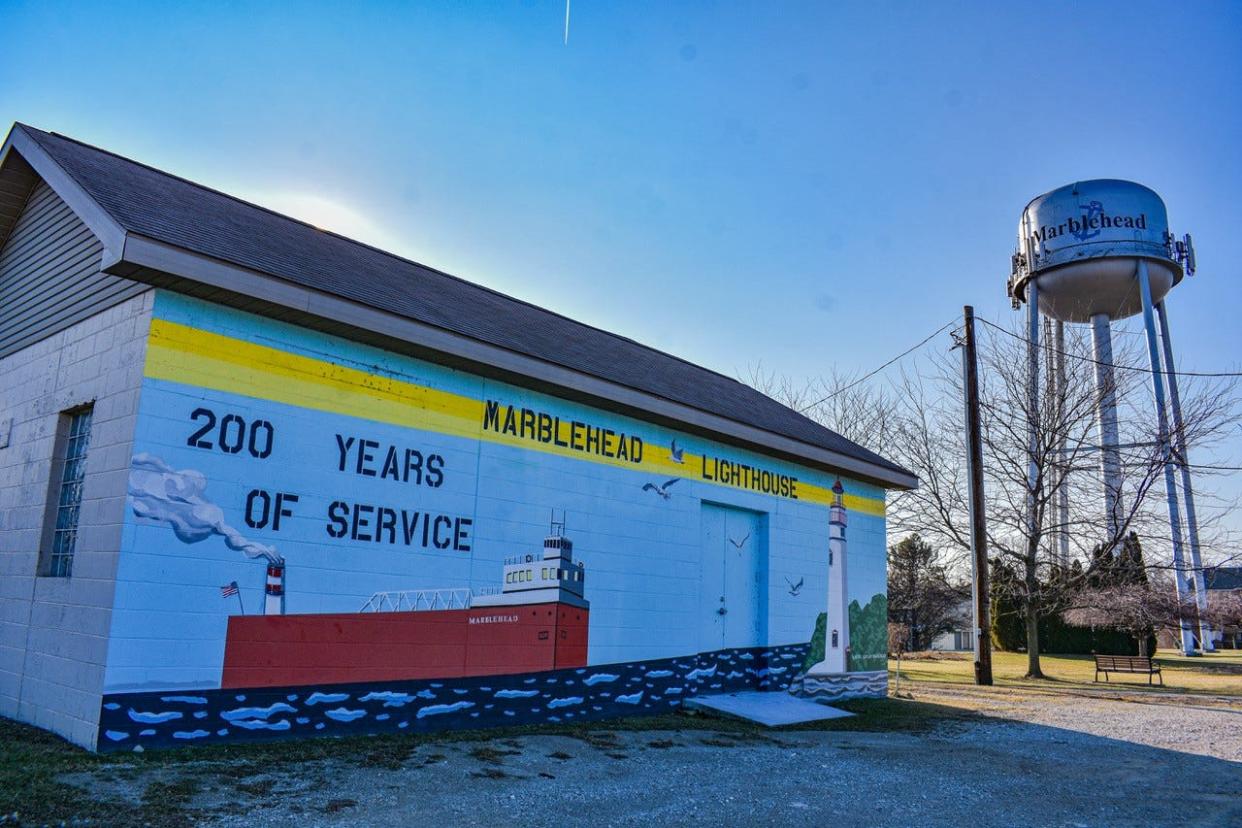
(837, 629)
(274, 600)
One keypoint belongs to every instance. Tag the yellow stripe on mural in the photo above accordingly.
(187, 355)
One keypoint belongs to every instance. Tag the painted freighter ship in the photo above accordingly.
(537, 620)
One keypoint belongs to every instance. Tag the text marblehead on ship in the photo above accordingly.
(537, 620)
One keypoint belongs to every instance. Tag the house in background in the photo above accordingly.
(1218, 580)
(960, 634)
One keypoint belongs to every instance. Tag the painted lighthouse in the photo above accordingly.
(837, 627)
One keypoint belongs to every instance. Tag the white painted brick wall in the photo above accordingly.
(54, 631)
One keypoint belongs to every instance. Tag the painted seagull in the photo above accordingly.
(661, 490)
(742, 542)
(675, 453)
(794, 589)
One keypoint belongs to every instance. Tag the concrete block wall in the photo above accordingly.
(54, 631)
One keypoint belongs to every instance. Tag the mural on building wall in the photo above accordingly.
(386, 522)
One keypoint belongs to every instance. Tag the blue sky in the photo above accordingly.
(797, 185)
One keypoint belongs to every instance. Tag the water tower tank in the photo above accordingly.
(1081, 243)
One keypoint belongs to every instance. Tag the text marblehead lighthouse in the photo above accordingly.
(837, 628)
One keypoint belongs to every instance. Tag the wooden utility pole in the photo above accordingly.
(978, 522)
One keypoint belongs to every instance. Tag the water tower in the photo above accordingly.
(1089, 253)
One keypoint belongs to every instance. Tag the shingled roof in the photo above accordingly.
(156, 205)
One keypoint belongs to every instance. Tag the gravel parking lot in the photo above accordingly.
(1030, 759)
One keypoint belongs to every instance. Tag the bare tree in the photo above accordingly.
(917, 421)
(1025, 525)
(859, 410)
(1142, 609)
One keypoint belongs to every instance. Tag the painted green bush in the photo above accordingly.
(869, 634)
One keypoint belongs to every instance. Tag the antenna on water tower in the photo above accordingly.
(1089, 253)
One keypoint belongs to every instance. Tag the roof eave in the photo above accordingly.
(104, 226)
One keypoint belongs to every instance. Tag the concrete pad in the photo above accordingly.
(771, 709)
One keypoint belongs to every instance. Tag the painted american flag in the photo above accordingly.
(228, 589)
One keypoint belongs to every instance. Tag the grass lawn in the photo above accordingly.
(45, 780)
(1218, 674)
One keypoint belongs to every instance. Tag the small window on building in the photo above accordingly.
(60, 524)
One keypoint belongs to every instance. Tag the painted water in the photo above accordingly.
(132, 721)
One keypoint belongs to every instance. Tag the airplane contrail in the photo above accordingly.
(566, 22)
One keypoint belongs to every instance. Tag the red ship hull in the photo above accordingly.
(290, 650)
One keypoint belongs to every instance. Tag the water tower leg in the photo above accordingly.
(1188, 492)
(1063, 542)
(1032, 401)
(1110, 458)
(1162, 423)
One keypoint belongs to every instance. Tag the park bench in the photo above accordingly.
(1127, 664)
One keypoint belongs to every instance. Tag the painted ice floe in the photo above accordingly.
(670, 691)
(200, 714)
(510, 713)
(318, 725)
(240, 697)
(263, 724)
(112, 706)
(655, 674)
(403, 725)
(633, 698)
(600, 678)
(704, 672)
(439, 709)
(425, 694)
(516, 694)
(190, 734)
(775, 671)
(184, 699)
(257, 712)
(554, 718)
(291, 697)
(747, 657)
(344, 714)
(568, 701)
(302, 720)
(116, 735)
(460, 691)
(383, 717)
(529, 681)
(148, 732)
(224, 731)
(153, 718)
(732, 674)
(389, 698)
(326, 698)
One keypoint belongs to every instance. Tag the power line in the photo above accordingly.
(871, 374)
(1021, 338)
